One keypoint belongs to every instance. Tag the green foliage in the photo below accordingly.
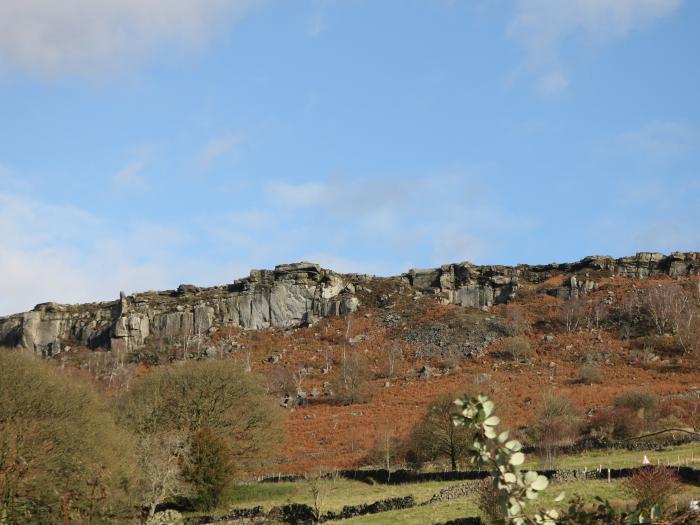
(61, 455)
(503, 456)
(209, 468)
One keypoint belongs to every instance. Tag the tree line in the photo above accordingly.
(69, 455)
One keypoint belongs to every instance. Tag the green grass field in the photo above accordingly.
(340, 492)
(680, 455)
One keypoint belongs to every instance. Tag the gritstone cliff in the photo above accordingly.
(299, 294)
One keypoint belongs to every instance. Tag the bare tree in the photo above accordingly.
(351, 382)
(386, 448)
(556, 423)
(665, 305)
(515, 321)
(573, 313)
(289, 380)
(318, 493)
(392, 357)
(436, 436)
(162, 459)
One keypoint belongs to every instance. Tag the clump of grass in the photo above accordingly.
(590, 374)
(517, 348)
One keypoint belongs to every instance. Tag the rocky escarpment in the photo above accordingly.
(288, 296)
(299, 294)
(481, 286)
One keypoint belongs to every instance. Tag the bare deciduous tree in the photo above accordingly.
(162, 458)
(436, 435)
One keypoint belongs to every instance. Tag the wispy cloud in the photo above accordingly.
(661, 139)
(671, 211)
(552, 83)
(542, 27)
(442, 217)
(86, 37)
(217, 148)
(301, 195)
(317, 21)
(66, 254)
(130, 178)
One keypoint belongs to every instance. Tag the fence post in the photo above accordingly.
(608, 474)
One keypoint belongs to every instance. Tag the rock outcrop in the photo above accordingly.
(291, 295)
(469, 285)
(295, 295)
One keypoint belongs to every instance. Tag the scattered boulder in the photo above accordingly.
(426, 372)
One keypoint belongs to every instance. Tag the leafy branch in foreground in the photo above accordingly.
(504, 457)
(493, 449)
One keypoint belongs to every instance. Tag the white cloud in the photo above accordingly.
(56, 37)
(661, 139)
(440, 218)
(130, 178)
(65, 254)
(552, 83)
(543, 26)
(316, 24)
(217, 148)
(670, 211)
(301, 195)
(382, 226)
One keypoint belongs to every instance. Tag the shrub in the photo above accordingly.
(590, 374)
(653, 485)
(351, 383)
(557, 423)
(616, 423)
(517, 348)
(209, 468)
(515, 322)
(211, 406)
(645, 403)
(61, 455)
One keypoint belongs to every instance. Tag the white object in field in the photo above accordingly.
(694, 505)
(646, 461)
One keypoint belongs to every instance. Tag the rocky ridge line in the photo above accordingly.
(298, 294)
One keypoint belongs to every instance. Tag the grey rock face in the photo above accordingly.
(294, 295)
(477, 286)
(289, 296)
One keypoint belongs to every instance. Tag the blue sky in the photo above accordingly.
(146, 143)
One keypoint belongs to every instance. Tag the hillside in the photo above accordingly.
(514, 332)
